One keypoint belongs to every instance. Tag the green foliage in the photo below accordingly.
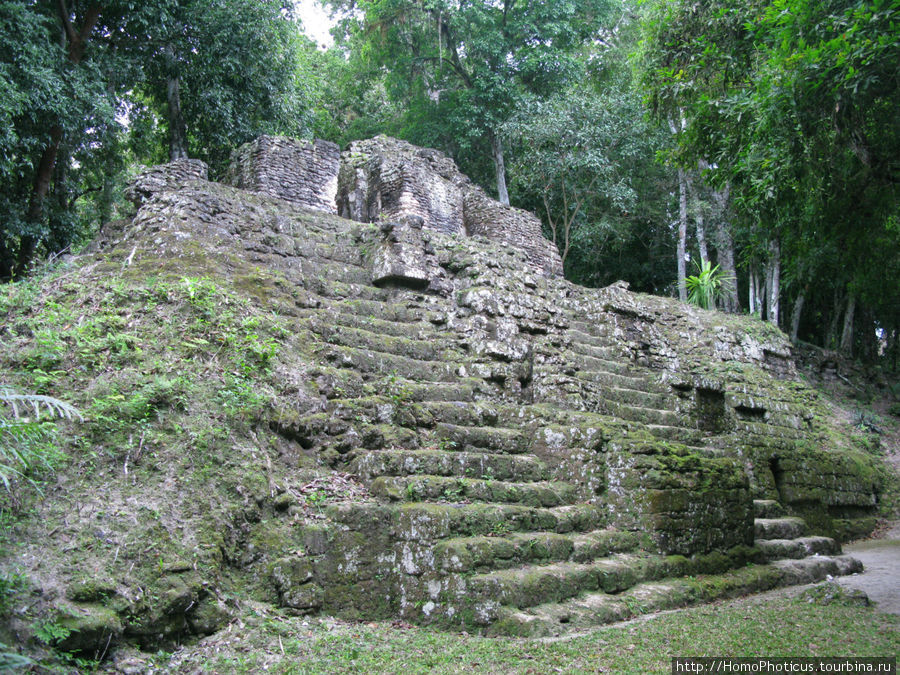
(26, 442)
(459, 70)
(241, 67)
(51, 632)
(793, 103)
(707, 286)
(11, 661)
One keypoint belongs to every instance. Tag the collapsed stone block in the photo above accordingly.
(386, 178)
(302, 172)
(400, 257)
(164, 177)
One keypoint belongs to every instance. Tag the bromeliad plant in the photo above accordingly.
(708, 285)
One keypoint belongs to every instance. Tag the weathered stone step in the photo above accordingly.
(608, 356)
(539, 584)
(334, 273)
(386, 310)
(457, 489)
(761, 430)
(636, 397)
(767, 508)
(335, 315)
(431, 349)
(461, 390)
(636, 413)
(801, 547)
(598, 341)
(779, 528)
(598, 330)
(592, 609)
(690, 437)
(334, 289)
(370, 361)
(463, 412)
(605, 378)
(321, 246)
(436, 462)
(467, 554)
(430, 522)
(494, 439)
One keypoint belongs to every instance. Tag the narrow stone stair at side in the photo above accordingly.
(783, 538)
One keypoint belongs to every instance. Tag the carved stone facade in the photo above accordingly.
(302, 172)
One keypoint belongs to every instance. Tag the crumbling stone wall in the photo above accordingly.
(387, 178)
(302, 172)
(164, 177)
(491, 219)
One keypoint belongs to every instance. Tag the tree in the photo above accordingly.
(573, 150)
(794, 104)
(462, 68)
(225, 71)
(219, 73)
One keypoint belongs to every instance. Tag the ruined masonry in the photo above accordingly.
(537, 456)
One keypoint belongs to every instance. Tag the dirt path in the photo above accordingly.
(880, 579)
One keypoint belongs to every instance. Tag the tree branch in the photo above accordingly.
(67, 23)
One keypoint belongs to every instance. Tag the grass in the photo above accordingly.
(774, 625)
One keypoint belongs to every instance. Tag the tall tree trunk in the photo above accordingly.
(725, 248)
(698, 218)
(847, 333)
(701, 238)
(795, 315)
(500, 166)
(177, 127)
(682, 234)
(830, 339)
(753, 283)
(773, 282)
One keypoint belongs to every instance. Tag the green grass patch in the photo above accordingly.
(774, 626)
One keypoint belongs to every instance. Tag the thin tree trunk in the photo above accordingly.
(500, 166)
(830, 340)
(698, 218)
(682, 234)
(701, 238)
(847, 332)
(773, 282)
(795, 315)
(177, 127)
(753, 283)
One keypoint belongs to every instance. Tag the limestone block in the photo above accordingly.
(164, 177)
(399, 259)
(302, 172)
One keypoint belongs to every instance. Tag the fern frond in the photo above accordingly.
(37, 403)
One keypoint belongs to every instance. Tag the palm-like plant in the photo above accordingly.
(708, 285)
(23, 434)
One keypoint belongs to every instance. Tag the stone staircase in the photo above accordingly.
(467, 525)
